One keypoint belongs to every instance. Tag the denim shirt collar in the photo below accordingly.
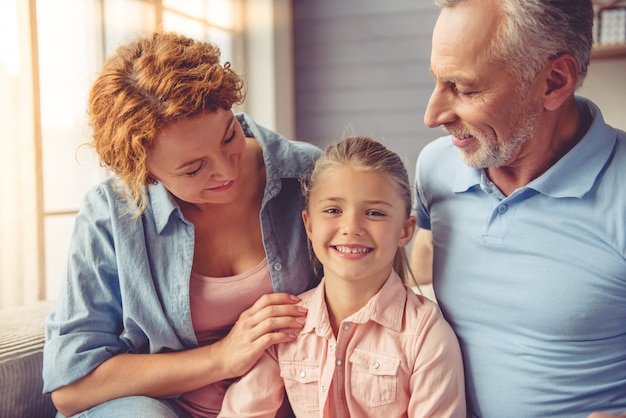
(163, 203)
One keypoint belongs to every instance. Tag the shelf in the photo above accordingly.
(608, 51)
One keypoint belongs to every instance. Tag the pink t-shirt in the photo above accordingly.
(216, 303)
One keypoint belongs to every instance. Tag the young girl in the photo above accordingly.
(370, 347)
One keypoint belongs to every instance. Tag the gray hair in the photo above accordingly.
(535, 31)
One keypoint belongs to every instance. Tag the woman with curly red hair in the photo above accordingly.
(183, 265)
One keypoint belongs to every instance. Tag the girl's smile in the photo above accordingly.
(355, 233)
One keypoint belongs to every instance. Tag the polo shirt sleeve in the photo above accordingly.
(420, 207)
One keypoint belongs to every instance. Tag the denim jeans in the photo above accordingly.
(135, 407)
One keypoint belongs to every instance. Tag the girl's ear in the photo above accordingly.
(307, 222)
(407, 231)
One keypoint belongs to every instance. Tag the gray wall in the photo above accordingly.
(362, 69)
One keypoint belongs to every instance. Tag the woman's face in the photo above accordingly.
(198, 158)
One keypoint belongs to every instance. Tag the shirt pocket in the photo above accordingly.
(374, 377)
(301, 383)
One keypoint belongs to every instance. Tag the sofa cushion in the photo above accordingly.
(21, 359)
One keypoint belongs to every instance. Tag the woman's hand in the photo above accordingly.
(274, 318)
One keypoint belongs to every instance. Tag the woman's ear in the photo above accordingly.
(407, 231)
(561, 77)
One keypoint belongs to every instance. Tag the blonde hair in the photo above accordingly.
(145, 86)
(366, 154)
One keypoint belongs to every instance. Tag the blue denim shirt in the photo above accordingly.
(126, 286)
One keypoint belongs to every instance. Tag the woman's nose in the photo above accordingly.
(440, 108)
(224, 167)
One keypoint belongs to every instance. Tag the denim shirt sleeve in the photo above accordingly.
(126, 285)
(125, 289)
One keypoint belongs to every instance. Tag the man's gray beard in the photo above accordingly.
(492, 153)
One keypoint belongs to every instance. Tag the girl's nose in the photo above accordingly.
(352, 225)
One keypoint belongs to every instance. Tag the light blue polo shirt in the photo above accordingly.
(534, 284)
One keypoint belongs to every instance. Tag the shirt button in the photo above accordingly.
(303, 374)
(278, 266)
(502, 208)
(331, 348)
(338, 362)
(323, 388)
(376, 366)
(346, 327)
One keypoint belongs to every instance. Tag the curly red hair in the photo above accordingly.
(147, 85)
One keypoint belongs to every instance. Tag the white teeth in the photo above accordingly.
(348, 250)
(225, 184)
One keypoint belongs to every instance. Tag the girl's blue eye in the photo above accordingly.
(197, 170)
(375, 213)
(332, 211)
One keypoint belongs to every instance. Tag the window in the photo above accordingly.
(50, 53)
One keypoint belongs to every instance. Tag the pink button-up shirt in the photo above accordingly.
(395, 357)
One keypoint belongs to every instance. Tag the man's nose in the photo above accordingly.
(440, 109)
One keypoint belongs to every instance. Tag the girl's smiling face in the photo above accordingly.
(198, 159)
(356, 220)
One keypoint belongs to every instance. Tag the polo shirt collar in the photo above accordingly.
(573, 175)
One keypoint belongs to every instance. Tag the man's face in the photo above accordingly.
(475, 99)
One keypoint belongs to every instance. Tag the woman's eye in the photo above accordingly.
(230, 138)
(196, 171)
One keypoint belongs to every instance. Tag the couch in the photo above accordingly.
(21, 358)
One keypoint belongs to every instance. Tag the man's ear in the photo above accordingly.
(561, 77)
(407, 231)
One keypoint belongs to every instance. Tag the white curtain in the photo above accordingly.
(20, 256)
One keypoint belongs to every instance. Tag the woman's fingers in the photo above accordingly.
(273, 319)
(272, 313)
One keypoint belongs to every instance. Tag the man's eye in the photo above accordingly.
(196, 171)
(455, 89)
